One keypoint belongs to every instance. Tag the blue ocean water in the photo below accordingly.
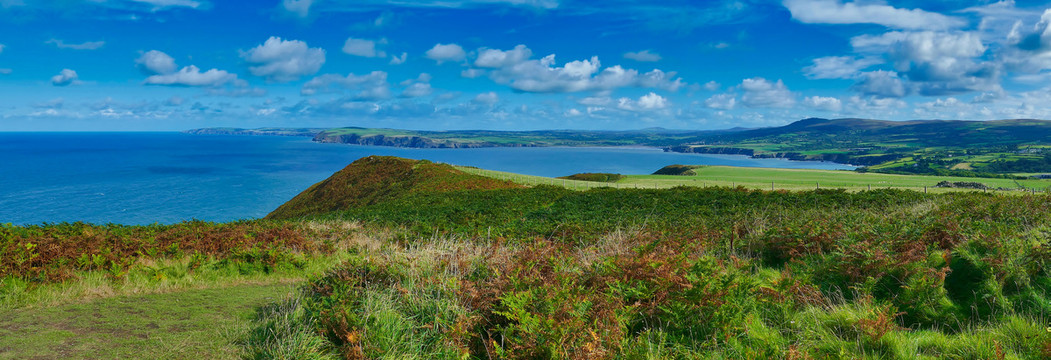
(167, 177)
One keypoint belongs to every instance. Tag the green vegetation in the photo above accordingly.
(686, 170)
(782, 179)
(595, 177)
(204, 324)
(375, 179)
(944, 148)
(494, 269)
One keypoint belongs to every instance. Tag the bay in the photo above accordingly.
(167, 177)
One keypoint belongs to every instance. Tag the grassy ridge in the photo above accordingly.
(375, 179)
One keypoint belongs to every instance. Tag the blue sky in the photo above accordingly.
(102, 65)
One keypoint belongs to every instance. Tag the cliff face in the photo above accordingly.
(405, 141)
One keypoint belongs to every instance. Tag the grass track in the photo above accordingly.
(192, 324)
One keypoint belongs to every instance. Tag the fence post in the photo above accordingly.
(924, 189)
(771, 186)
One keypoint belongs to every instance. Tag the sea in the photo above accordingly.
(166, 177)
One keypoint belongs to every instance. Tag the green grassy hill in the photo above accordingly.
(375, 179)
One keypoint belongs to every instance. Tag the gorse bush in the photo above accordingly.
(550, 273)
(54, 252)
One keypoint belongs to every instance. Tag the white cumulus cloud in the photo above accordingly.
(648, 102)
(879, 83)
(829, 104)
(721, 102)
(488, 98)
(515, 69)
(859, 12)
(156, 62)
(65, 77)
(364, 47)
(495, 58)
(284, 60)
(759, 92)
(193, 76)
(446, 52)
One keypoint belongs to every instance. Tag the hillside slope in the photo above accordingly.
(376, 179)
(935, 147)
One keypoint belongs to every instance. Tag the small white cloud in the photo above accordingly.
(446, 52)
(830, 104)
(643, 56)
(489, 98)
(495, 58)
(398, 60)
(472, 73)
(64, 78)
(156, 62)
(880, 83)
(759, 92)
(161, 4)
(865, 12)
(648, 102)
(363, 47)
(573, 113)
(417, 90)
(192, 76)
(284, 60)
(839, 67)
(721, 102)
(298, 7)
(371, 86)
(858, 104)
(712, 86)
(90, 45)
